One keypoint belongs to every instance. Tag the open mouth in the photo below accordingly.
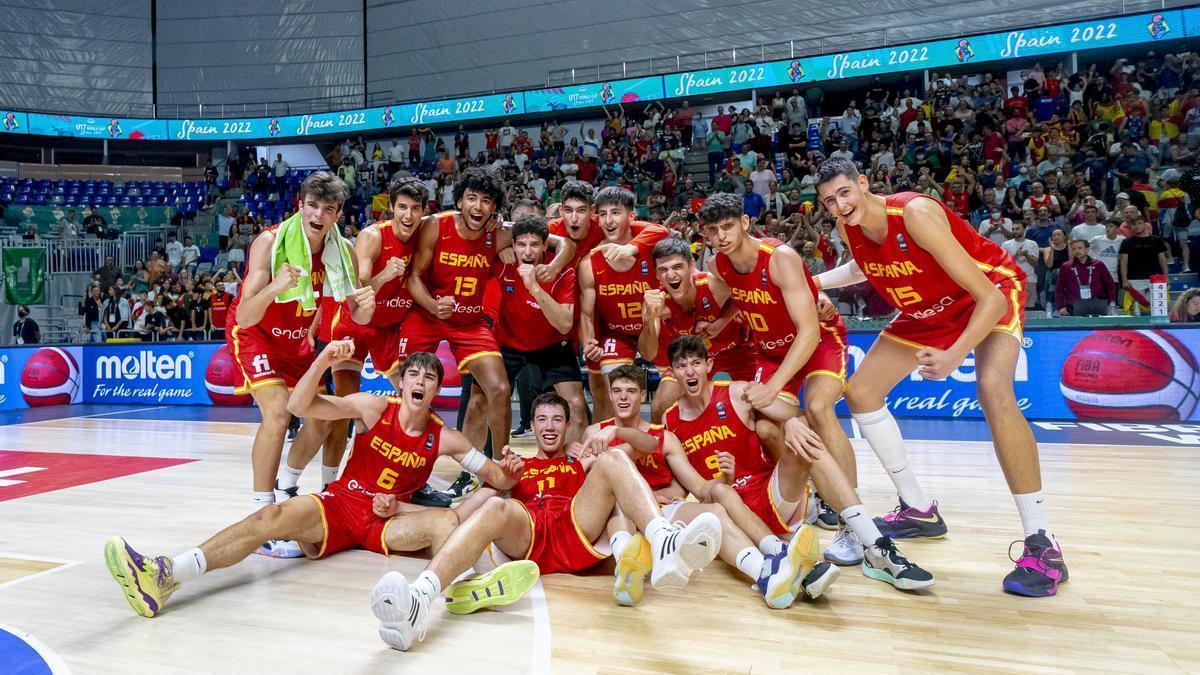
(847, 214)
(692, 384)
(549, 438)
(675, 285)
(315, 227)
(417, 395)
(528, 261)
(624, 406)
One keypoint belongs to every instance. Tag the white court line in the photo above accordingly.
(541, 630)
(62, 565)
(80, 417)
(53, 660)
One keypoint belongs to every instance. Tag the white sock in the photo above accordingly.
(469, 572)
(618, 542)
(188, 565)
(288, 477)
(883, 435)
(860, 522)
(428, 583)
(328, 474)
(1033, 512)
(262, 499)
(750, 562)
(656, 526)
(770, 545)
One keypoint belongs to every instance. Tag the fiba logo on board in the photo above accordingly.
(1138, 375)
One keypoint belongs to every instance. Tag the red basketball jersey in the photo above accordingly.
(653, 467)
(718, 428)
(682, 322)
(385, 459)
(460, 268)
(911, 279)
(619, 295)
(285, 325)
(521, 324)
(392, 300)
(548, 477)
(760, 301)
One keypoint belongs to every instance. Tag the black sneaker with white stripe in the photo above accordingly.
(884, 562)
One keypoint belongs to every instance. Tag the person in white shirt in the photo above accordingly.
(762, 177)
(843, 152)
(281, 167)
(537, 184)
(1090, 228)
(191, 255)
(1026, 253)
(997, 227)
(225, 223)
(569, 168)
(508, 134)
(431, 187)
(174, 252)
(591, 144)
(1107, 248)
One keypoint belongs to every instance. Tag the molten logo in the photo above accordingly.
(144, 365)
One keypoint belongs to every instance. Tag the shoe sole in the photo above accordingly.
(120, 567)
(887, 578)
(633, 565)
(502, 586)
(911, 533)
(804, 553)
(698, 545)
(1017, 589)
(822, 583)
(827, 526)
(283, 555)
(842, 562)
(392, 586)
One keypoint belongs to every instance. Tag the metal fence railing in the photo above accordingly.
(65, 256)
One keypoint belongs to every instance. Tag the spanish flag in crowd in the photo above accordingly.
(825, 250)
(1152, 204)
(379, 204)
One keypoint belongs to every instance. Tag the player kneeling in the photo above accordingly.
(398, 442)
(558, 509)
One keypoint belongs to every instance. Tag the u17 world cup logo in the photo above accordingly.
(1158, 26)
(795, 71)
(963, 51)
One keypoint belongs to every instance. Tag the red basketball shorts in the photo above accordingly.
(420, 333)
(264, 364)
(756, 492)
(619, 350)
(349, 522)
(828, 359)
(556, 543)
(944, 328)
(382, 343)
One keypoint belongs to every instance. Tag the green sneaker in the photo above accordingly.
(146, 582)
(502, 586)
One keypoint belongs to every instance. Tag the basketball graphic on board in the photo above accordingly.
(447, 398)
(221, 377)
(1131, 375)
(50, 377)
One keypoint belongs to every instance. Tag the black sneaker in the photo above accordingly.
(520, 432)
(427, 496)
(822, 575)
(282, 495)
(885, 563)
(827, 518)
(293, 429)
(462, 487)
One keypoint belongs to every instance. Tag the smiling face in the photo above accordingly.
(550, 428)
(626, 396)
(844, 197)
(614, 222)
(406, 215)
(477, 209)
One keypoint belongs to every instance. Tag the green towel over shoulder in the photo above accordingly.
(291, 247)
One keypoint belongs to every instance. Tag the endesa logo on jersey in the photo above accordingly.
(161, 374)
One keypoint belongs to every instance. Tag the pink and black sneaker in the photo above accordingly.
(905, 522)
(1040, 569)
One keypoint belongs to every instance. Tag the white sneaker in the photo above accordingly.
(813, 509)
(684, 549)
(820, 579)
(403, 612)
(846, 549)
(280, 548)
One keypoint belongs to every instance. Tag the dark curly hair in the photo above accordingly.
(720, 206)
(410, 187)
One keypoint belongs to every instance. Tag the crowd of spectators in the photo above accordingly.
(1077, 175)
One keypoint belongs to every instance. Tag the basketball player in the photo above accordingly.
(453, 262)
(715, 424)
(558, 510)
(611, 293)
(956, 292)
(394, 453)
(269, 339)
(779, 570)
(684, 305)
(535, 319)
(382, 252)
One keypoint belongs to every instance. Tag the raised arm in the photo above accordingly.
(307, 399)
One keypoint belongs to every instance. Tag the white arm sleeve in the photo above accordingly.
(473, 461)
(842, 275)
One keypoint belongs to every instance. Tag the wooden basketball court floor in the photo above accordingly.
(1125, 515)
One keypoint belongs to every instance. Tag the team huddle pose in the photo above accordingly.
(723, 467)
